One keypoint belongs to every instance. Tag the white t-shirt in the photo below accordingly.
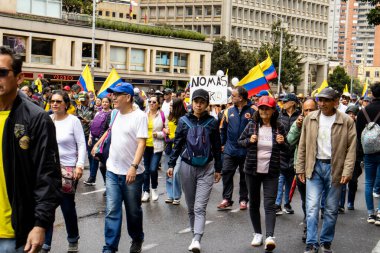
(166, 108)
(324, 136)
(264, 149)
(126, 129)
(71, 141)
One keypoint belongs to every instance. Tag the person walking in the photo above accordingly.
(325, 161)
(263, 137)
(28, 153)
(197, 139)
(234, 122)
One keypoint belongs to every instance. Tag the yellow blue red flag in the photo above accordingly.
(365, 89)
(85, 80)
(112, 80)
(254, 81)
(268, 68)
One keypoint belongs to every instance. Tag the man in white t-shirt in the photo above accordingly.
(124, 178)
(167, 100)
(326, 159)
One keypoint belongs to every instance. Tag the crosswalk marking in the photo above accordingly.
(188, 230)
(87, 193)
(149, 246)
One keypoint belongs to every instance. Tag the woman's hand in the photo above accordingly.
(280, 139)
(93, 151)
(166, 131)
(78, 172)
(169, 173)
(89, 141)
(253, 138)
(217, 177)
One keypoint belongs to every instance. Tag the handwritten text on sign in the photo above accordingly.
(215, 85)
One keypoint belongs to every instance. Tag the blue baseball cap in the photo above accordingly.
(262, 93)
(122, 88)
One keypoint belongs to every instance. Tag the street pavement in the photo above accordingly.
(166, 226)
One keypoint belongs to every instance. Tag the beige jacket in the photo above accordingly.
(343, 142)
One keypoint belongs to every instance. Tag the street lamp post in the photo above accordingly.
(93, 38)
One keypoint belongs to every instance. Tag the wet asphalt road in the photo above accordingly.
(166, 226)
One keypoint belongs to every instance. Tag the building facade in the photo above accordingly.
(333, 34)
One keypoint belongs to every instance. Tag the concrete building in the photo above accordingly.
(333, 34)
(372, 74)
(250, 22)
(120, 11)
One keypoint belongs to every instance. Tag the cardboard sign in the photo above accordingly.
(215, 85)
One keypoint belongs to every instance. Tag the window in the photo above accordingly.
(207, 30)
(189, 11)
(42, 51)
(377, 73)
(50, 8)
(180, 11)
(161, 12)
(367, 74)
(107, 13)
(163, 62)
(86, 54)
(216, 29)
(17, 43)
(208, 11)
(121, 15)
(180, 63)
(118, 57)
(137, 59)
(100, 13)
(198, 10)
(202, 65)
(217, 10)
(113, 14)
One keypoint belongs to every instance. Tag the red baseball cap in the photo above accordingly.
(67, 88)
(268, 101)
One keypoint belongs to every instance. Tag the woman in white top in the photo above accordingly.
(72, 152)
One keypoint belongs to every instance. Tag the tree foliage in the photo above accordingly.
(373, 17)
(77, 6)
(338, 79)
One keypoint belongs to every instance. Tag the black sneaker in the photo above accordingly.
(326, 248)
(288, 209)
(136, 246)
(371, 219)
(377, 221)
(90, 181)
(278, 210)
(341, 210)
(310, 249)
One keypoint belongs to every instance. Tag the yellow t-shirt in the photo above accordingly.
(149, 141)
(6, 229)
(172, 128)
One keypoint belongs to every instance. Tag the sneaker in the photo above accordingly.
(225, 204)
(136, 246)
(145, 197)
(278, 210)
(310, 249)
(90, 181)
(243, 205)
(169, 200)
(154, 194)
(350, 206)
(376, 195)
(257, 240)
(326, 248)
(269, 244)
(377, 221)
(73, 247)
(195, 246)
(371, 219)
(341, 210)
(288, 209)
(176, 202)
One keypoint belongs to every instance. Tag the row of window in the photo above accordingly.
(50, 8)
(376, 74)
(180, 11)
(114, 14)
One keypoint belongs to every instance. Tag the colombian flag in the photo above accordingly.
(268, 68)
(254, 81)
(85, 80)
(365, 89)
(323, 85)
(112, 80)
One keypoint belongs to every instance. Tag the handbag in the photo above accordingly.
(103, 150)
(69, 184)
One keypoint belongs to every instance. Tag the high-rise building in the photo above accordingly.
(333, 34)
(250, 23)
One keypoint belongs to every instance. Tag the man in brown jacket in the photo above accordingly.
(326, 159)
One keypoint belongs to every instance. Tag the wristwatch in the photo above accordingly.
(136, 166)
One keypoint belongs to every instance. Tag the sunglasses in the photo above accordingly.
(5, 72)
(152, 102)
(56, 102)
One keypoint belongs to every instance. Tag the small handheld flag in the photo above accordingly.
(112, 80)
(85, 80)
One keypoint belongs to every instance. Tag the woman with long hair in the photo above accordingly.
(263, 137)
(72, 153)
(173, 184)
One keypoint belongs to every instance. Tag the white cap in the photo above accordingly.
(136, 90)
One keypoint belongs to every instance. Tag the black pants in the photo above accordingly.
(230, 163)
(302, 190)
(270, 185)
(353, 183)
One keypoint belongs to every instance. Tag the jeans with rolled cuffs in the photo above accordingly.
(151, 163)
(173, 184)
(372, 171)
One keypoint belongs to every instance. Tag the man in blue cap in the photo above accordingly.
(124, 178)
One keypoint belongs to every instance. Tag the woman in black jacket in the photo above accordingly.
(263, 137)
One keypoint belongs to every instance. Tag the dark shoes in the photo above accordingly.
(136, 246)
(278, 210)
(288, 209)
(90, 181)
(326, 248)
(310, 249)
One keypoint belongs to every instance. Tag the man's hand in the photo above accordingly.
(36, 239)
(217, 177)
(170, 172)
(299, 121)
(301, 177)
(345, 180)
(131, 175)
(222, 149)
(78, 172)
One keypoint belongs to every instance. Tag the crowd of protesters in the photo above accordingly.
(276, 143)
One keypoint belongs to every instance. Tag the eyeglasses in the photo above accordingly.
(152, 102)
(308, 110)
(4, 72)
(56, 102)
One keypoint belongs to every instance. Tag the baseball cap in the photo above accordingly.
(268, 101)
(328, 93)
(290, 97)
(167, 91)
(201, 93)
(346, 94)
(82, 96)
(158, 92)
(262, 93)
(354, 96)
(122, 88)
(352, 108)
(366, 98)
(66, 88)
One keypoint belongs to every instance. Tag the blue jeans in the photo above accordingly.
(372, 170)
(94, 163)
(320, 181)
(9, 246)
(118, 191)
(71, 221)
(286, 180)
(151, 162)
(173, 184)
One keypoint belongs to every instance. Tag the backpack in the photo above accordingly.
(371, 135)
(198, 143)
(97, 127)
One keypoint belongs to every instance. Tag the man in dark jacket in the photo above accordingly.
(233, 124)
(30, 177)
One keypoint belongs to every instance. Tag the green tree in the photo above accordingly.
(77, 6)
(338, 79)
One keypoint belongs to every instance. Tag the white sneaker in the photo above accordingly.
(257, 240)
(195, 246)
(376, 195)
(154, 194)
(145, 197)
(270, 244)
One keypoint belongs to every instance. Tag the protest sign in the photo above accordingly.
(215, 85)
